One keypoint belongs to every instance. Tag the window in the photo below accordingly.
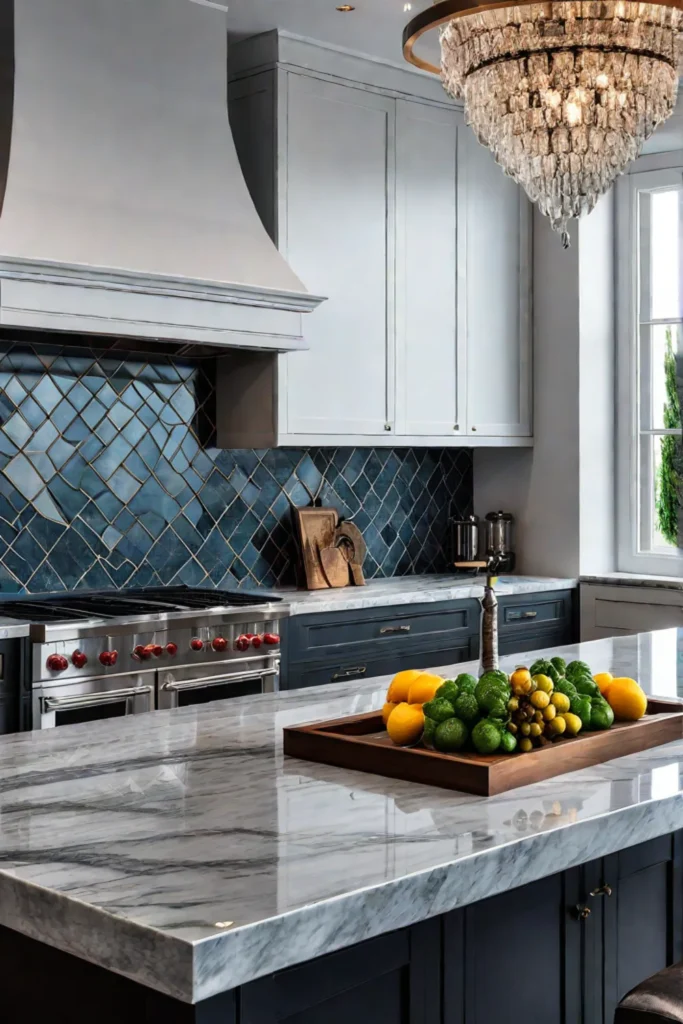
(650, 355)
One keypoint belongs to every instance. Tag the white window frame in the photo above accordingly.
(648, 174)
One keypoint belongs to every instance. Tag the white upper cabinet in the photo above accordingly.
(497, 234)
(337, 234)
(430, 379)
(380, 198)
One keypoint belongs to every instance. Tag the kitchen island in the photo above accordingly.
(175, 867)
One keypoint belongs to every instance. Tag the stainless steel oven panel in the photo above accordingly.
(92, 647)
(260, 617)
(136, 690)
(185, 678)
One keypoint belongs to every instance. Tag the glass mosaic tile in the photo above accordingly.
(109, 477)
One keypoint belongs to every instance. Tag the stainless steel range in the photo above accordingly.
(109, 654)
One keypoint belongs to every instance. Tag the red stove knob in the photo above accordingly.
(271, 639)
(196, 644)
(256, 641)
(172, 649)
(219, 644)
(109, 658)
(242, 643)
(57, 663)
(140, 653)
(154, 650)
(79, 659)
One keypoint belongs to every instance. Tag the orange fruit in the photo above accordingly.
(627, 700)
(386, 711)
(405, 724)
(400, 684)
(424, 688)
(603, 679)
(520, 681)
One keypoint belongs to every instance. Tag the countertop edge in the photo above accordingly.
(144, 955)
(238, 957)
(318, 602)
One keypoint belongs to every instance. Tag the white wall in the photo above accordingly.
(561, 490)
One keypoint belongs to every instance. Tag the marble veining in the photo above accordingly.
(183, 850)
(416, 590)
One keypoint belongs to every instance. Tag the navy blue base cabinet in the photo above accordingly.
(561, 950)
(343, 646)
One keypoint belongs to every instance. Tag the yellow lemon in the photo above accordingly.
(405, 724)
(627, 700)
(400, 684)
(386, 711)
(603, 679)
(424, 688)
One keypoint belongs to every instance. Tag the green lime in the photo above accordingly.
(602, 716)
(499, 678)
(465, 683)
(450, 735)
(466, 707)
(486, 736)
(490, 697)
(508, 743)
(428, 733)
(439, 709)
(449, 690)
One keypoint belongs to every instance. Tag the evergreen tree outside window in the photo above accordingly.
(667, 490)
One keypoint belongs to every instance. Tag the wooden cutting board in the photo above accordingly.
(316, 531)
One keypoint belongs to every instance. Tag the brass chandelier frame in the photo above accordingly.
(447, 10)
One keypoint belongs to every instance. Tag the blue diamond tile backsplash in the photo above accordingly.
(109, 477)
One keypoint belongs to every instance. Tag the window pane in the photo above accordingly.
(665, 277)
(661, 377)
(660, 468)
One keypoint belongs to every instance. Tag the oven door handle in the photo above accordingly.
(89, 700)
(237, 677)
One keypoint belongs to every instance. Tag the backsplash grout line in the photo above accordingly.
(109, 477)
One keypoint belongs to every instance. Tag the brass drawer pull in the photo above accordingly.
(349, 673)
(582, 912)
(602, 890)
(385, 630)
(516, 616)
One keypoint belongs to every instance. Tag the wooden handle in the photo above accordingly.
(471, 565)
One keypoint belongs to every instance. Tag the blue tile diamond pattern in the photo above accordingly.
(109, 477)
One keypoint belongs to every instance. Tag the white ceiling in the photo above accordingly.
(375, 27)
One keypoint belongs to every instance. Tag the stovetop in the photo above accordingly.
(110, 604)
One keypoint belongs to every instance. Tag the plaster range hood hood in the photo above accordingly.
(124, 210)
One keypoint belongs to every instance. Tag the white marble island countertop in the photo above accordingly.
(415, 590)
(182, 850)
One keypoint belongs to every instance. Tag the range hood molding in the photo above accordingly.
(125, 210)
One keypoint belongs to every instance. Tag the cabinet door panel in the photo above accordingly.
(488, 982)
(498, 299)
(643, 922)
(430, 381)
(337, 238)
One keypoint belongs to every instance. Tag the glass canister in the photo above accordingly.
(464, 539)
(499, 533)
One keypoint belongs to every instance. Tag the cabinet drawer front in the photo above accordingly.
(303, 675)
(528, 642)
(534, 611)
(314, 637)
(636, 616)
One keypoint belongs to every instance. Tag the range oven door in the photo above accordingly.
(240, 677)
(90, 700)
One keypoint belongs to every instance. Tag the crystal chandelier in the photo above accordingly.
(563, 94)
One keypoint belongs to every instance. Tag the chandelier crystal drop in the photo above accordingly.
(564, 94)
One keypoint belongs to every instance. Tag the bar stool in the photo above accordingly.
(656, 1000)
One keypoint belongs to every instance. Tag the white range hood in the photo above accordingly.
(125, 211)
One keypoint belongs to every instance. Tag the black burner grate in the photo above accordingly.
(115, 604)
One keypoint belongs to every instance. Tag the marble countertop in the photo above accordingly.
(182, 850)
(415, 590)
(632, 579)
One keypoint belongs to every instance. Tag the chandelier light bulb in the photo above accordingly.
(564, 94)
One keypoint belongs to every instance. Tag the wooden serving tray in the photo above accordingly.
(361, 743)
